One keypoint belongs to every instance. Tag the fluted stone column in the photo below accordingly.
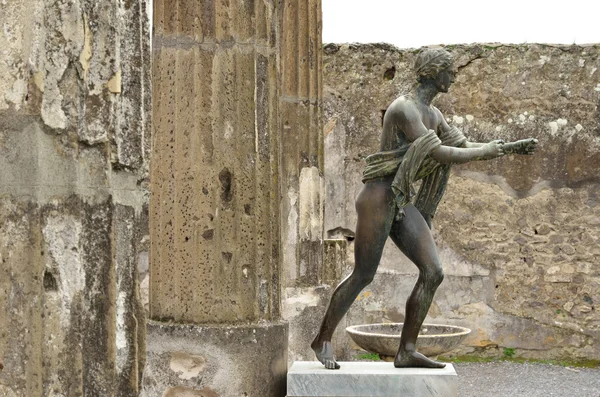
(215, 224)
(302, 141)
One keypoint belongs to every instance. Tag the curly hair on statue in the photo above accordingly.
(430, 62)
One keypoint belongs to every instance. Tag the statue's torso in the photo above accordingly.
(393, 136)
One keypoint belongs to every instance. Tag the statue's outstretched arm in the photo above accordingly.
(454, 155)
(523, 146)
(413, 127)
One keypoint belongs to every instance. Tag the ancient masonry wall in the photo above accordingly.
(74, 148)
(518, 236)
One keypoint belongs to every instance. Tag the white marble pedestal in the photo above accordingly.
(369, 379)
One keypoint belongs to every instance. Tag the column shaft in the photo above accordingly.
(215, 202)
(301, 141)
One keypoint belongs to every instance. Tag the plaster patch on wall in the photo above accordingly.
(17, 93)
(458, 120)
(62, 236)
(456, 265)
(52, 112)
(228, 133)
(187, 366)
(311, 213)
(114, 84)
(124, 190)
(12, 54)
(38, 80)
(121, 338)
(86, 51)
(298, 299)
(289, 248)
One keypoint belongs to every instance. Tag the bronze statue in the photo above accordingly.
(416, 144)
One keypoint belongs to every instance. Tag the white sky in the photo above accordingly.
(414, 23)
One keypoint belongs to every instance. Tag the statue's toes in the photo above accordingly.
(331, 364)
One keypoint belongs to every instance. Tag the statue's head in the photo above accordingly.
(437, 66)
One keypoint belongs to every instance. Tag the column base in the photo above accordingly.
(215, 361)
(369, 379)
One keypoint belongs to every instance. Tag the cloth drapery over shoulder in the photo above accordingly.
(413, 162)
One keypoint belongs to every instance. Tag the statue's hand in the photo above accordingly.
(493, 149)
(524, 146)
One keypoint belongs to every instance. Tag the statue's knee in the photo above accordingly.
(365, 278)
(434, 275)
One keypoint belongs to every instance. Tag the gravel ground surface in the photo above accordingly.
(507, 379)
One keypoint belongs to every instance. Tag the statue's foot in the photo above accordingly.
(415, 359)
(324, 353)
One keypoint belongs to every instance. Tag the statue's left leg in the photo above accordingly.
(412, 235)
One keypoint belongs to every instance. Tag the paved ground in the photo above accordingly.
(508, 379)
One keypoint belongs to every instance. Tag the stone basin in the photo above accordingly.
(384, 338)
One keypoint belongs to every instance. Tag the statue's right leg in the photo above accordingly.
(375, 207)
(412, 235)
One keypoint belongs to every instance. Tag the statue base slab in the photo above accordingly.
(369, 379)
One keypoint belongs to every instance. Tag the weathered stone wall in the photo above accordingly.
(518, 236)
(74, 145)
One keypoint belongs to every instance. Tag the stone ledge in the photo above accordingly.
(369, 379)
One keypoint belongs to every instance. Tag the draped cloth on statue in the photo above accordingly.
(412, 162)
